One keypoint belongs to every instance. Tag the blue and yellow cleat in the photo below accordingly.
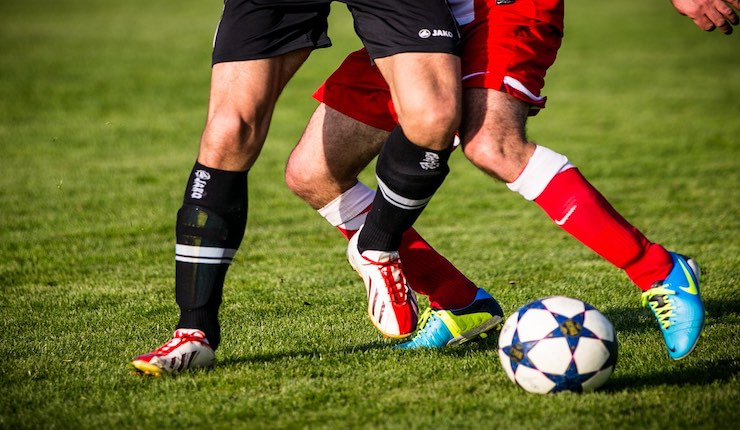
(442, 327)
(677, 306)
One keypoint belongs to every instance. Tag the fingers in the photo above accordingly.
(704, 23)
(728, 12)
(710, 14)
(734, 3)
(722, 16)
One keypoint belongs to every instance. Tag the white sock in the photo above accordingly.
(349, 210)
(541, 168)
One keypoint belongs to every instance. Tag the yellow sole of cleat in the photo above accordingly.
(147, 368)
(387, 335)
(482, 331)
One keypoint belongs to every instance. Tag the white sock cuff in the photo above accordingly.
(348, 205)
(541, 168)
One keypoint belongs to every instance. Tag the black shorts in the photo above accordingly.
(253, 29)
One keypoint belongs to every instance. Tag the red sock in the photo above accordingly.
(427, 271)
(578, 208)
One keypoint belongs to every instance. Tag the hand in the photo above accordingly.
(710, 14)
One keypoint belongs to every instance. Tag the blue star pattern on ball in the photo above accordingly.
(558, 344)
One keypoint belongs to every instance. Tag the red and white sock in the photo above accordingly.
(579, 209)
(348, 211)
(427, 271)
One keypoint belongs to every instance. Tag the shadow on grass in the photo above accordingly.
(675, 374)
(624, 319)
(472, 347)
(720, 308)
(297, 354)
(697, 375)
(637, 319)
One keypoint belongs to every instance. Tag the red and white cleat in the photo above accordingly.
(391, 303)
(188, 349)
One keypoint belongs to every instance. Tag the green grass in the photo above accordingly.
(101, 106)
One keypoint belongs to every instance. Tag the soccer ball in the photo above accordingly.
(558, 344)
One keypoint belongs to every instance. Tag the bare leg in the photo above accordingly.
(323, 169)
(492, 133)
(213, 217)
(333, 150)
(426, 96)
(425, 89)
(494, 140)
(242, 99)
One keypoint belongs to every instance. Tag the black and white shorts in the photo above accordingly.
(254, 29)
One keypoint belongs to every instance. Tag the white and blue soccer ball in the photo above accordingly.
(558, 344)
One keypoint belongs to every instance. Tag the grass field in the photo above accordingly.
(101, 106)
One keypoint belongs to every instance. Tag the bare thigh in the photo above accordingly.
(242, 100)
(426, 93)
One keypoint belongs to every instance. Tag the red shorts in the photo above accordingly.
(507, 47)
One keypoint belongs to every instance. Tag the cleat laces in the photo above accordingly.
(396, 285)
(176, 341)
(169, 346)
(421, 327)
(659, 302)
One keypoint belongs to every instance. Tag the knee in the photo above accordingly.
(480, 154)
(430, 123)
(298, 178)
(500, 156)
(306, 179)
(230, 142)
(226, 132)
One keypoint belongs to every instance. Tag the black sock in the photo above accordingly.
(210, 227)
(408, 177)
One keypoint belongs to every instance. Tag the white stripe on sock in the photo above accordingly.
(203, 254)
(399, 200)
(203, 260)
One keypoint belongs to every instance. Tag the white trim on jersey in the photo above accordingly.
(203, 254)
(513, 83)
(517, 85)
(474, 74)
(399, 200)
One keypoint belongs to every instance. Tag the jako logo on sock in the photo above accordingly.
(199, 184)
(430, 162)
